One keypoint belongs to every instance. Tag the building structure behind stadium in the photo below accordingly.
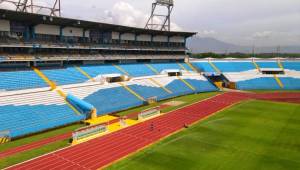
(58, 71)
(39, 38)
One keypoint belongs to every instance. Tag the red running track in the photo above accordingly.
(289, 97)
(102, 151)
(43, 142)
(34, 145)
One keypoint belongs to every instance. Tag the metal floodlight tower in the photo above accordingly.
(165, 25)
(29, 6)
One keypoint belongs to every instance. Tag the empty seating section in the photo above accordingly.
(290, 83)
(268, 64)
(98, 70)
(186, 67)
(113, 97)
(291, 65)
(204, 66)
(265, 83)
(106, 98)
(166, 66)
(30, 113)
(137, 70)
(179, 88)
(201, 85)
(148, 89)
(19, 80)
(69, 75)
(23, 114)
(234, 66)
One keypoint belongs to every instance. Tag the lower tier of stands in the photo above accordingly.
(291, 83)
(24, 114)
(115, 97)
(106, 98)
(33, 112)
(257, 81)
(258, 84)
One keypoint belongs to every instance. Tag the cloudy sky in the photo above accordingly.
(241, 22)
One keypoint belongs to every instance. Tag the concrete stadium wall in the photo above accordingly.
(160, 38)
(4, 25)
(144, 37)
(179, 39)
(87, 33)
(115, 35)
(47, 29)
(72, 32)
(128, 36)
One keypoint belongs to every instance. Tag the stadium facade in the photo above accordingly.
(33, 39)
(59, 71)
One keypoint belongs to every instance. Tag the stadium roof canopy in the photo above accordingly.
(34, 19)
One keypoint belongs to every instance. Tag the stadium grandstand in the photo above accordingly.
(110, 67)
(57, 71)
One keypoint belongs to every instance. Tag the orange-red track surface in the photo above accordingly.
(34, 145)
(102, 151)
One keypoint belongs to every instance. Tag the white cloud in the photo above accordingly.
(243, 22)
(262, 35)
(6, 5)
(207, 33)
(124, 13)
(36, 9)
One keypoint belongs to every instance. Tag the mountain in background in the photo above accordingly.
(203, 45)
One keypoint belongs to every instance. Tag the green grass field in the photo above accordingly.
(250, 135)
(20, 157)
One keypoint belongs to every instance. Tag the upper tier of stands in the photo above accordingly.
(204, 67)
(18, 80)
(234, 66)
(268, 64)
(69, 75)
(291, 65)
(98, 70)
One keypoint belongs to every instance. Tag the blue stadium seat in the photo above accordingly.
(112, 99)
(147, 92)
(65, 76)
(202, 86)
(179, 88)
(165, 66)
(268, 64)
(19, 80)
(204, 66)
(26, 119)
(187, 67)
(291, 65)
(290, 83)
(96, 70)
(234, 66)
(137, 70)
(265, 83)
